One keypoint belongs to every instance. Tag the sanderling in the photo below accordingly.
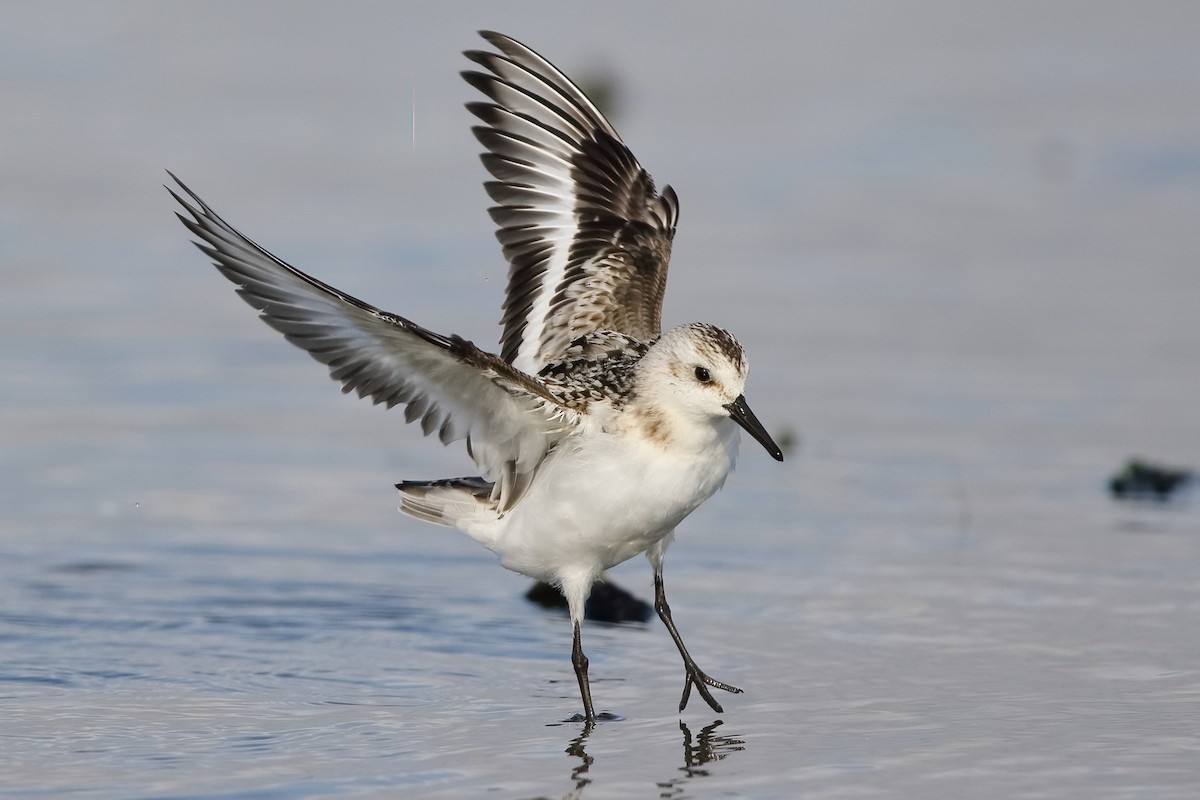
(595, 433)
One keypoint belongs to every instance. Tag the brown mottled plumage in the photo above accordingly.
(595, 367)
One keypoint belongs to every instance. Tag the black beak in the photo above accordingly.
(740, 413)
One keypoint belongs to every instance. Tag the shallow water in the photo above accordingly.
(964, 266)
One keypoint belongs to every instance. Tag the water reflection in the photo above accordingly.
(577, 750)
(706, 747)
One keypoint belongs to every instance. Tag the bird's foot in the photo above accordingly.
(694, 676)
(603, 716)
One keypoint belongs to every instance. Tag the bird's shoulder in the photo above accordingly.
(596, 367)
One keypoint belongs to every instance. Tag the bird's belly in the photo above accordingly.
(594, 507)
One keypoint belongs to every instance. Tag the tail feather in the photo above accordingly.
(448, 501)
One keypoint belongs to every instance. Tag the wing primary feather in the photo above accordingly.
(445, 383)
(586, 235)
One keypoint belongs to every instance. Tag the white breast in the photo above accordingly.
(601, 499)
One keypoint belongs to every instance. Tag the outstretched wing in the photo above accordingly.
(448, 383)
(586, 235)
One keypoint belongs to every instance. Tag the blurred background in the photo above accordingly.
(959, 242)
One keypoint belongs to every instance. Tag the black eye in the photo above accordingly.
(702, 375)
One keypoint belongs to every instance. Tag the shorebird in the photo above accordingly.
(595, 433)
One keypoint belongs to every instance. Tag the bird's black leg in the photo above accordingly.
(694, 675)
(580, 662)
